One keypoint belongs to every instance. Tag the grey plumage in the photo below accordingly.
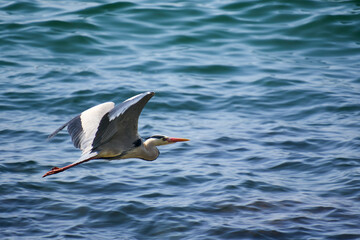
(115, 129)
(111, 132)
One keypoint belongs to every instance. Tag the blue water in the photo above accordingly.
(267, 91)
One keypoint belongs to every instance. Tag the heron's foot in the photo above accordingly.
(54, 170)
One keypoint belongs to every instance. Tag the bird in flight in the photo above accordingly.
(110, 132)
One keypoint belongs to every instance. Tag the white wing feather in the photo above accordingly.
(90, 120)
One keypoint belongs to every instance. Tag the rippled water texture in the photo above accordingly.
(267, 91)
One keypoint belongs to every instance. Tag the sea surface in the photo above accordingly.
(267, 91)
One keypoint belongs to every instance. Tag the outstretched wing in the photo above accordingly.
(118, 129)
(83, 127)
(105, 127)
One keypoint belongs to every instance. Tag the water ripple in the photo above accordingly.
(268, 93)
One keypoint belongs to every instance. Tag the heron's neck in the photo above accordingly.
(150, 151)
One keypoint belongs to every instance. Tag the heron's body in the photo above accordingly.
(110, 132)
(140, 149)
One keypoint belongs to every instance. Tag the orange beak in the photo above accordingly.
(174, 140)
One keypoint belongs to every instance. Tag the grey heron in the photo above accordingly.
(106, 131)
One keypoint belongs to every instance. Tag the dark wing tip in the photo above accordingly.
(145, 94)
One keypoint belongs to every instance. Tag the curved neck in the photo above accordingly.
(150, 151)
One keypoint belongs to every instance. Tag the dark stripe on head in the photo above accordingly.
(157, 136)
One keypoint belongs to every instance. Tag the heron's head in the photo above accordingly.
(159, 140)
